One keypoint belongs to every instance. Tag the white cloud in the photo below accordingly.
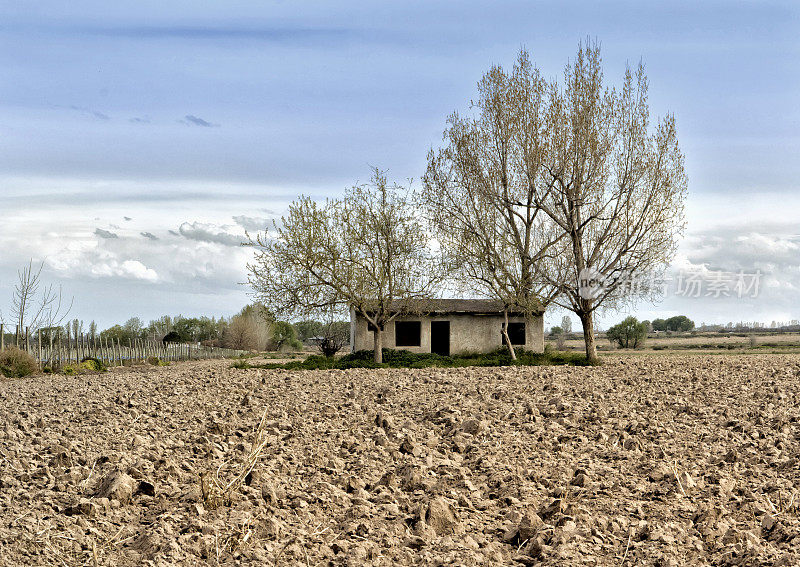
(130, 269)
(252, 224)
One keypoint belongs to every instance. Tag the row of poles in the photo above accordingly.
(56, 352)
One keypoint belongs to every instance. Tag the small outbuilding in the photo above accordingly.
(452, 326)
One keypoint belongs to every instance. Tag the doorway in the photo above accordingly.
(440, 337)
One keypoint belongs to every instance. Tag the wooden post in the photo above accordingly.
(2, 338)
(39, 344)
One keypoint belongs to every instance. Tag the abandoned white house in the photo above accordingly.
(452, 326)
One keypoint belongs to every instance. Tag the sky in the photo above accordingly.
(139, 140)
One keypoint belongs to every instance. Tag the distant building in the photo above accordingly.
(452, 326)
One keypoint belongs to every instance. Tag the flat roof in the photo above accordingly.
(476, 306)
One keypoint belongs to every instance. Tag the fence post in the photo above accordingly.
(2, 338)
(39, 344)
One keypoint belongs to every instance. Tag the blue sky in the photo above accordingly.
(196, 120)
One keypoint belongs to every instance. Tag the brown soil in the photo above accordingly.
(668, 460)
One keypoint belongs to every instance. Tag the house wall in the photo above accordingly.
(469, 332)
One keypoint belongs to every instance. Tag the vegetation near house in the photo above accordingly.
(367, 250)
(630, 333)
(404, 359)
(334, 335)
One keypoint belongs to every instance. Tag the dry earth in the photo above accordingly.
(668, 460)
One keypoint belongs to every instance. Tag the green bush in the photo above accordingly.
(630, 333)
(406, 359)
(91, 363)
(16, 363)
(283, 334)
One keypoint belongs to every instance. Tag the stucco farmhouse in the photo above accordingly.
(452, 326)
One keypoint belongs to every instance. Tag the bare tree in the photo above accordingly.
(242, 333)
(566, 324)
(35, 305)
(480, 192)
(367, 250)
(614, 186)
(77, 328)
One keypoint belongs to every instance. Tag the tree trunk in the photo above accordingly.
(506, 337)
(587, 320)
(378, 344)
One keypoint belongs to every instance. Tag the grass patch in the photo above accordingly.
(92, 363)
(406, 359)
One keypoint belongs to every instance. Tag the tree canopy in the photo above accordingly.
(367, 250)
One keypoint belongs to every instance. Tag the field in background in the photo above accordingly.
(701, 342)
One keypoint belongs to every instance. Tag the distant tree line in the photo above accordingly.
(253, 328)
(679, 323)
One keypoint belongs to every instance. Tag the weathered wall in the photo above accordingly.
(468, 333)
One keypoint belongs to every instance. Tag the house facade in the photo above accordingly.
(452, 326)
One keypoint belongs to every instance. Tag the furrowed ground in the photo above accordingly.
(647, 460)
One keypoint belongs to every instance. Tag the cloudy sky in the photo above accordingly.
(139, 140)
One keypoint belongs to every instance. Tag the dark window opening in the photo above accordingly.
(407, 333)
(516, 332)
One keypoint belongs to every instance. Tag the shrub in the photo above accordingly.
(91, 363)
(630, 333)
(335, 335)
(16, 363)
(242, 333)
(406, 359)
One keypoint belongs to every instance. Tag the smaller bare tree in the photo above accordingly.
(566, 324)
(368, 251)
(34, 304)
(242, 333)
